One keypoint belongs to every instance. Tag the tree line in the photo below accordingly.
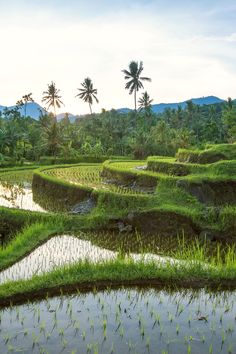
(138, 133)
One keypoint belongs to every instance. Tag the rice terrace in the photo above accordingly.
(118, 222)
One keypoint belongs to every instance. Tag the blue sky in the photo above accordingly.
(188, 48)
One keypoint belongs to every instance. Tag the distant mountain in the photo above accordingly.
(33, 110)
(160, 108)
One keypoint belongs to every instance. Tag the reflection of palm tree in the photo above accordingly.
(51, 97)
(26, 99)
(88, 93)
(145, 103)
(135, 80)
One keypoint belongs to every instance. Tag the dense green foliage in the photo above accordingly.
(138, 134)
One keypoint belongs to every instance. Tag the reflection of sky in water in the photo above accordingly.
(15, 196)
(135, 321)
(62, 250)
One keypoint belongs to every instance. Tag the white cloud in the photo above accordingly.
(40, 47)
(227, 38)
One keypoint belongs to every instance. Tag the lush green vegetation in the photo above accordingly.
(210, 154)
(139, 133)
(93, 175)
(195, 264)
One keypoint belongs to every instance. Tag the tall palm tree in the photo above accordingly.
(135, 79)
(51, 97)
(88, 93)
(26, 99)
(229, 104)
(145, 102)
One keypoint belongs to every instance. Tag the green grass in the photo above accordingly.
(172, 167)
(128, 172)
(73, 183)
(16, 177)
(82, 174)
(178, 199)
(211, 154)
(15, 220)
(28, 239)
(195, 267)
(87, 175)
(170, 202)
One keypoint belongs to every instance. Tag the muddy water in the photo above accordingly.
(125, 321)
(64, 250)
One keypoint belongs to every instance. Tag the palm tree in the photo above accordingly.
(145, 103)
(229, 104)
(135, 80)
(88, 93)
(26, 99)
(52, 98)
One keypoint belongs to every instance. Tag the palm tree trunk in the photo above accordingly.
(25, 109)
(135, 103)
(90, 108)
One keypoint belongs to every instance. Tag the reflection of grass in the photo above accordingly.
(11, 192)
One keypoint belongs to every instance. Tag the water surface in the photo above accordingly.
(123, 321)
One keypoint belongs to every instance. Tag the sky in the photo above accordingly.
(188, 49)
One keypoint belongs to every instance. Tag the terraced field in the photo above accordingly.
(16, 190)
(19, 177)
(90, 176)
(92, 226)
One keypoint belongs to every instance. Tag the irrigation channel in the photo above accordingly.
(123, 321)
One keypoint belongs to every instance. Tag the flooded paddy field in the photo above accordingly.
(16, 189)
(19, 197)
(123, 321)
(66, 250)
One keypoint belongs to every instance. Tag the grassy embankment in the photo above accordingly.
(199, 269)
(170, 198)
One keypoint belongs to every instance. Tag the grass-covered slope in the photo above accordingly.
(194, 268)
(211, 154)
(160, 195)
(139, 195)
